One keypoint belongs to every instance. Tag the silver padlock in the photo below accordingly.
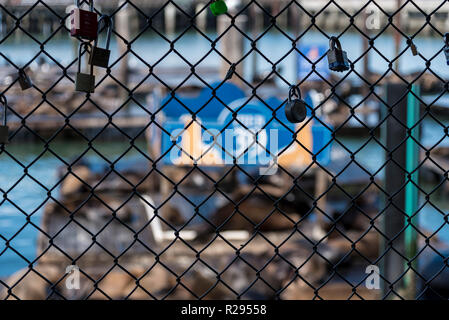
(24, 80)
(84, 82)
(100, 56)
(4, 131)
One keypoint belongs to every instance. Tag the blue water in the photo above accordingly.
(28, 197)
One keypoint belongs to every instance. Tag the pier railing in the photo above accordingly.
(339, 209)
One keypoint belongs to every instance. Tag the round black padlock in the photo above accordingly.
(295, 109)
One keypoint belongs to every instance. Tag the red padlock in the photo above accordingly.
(84, 24)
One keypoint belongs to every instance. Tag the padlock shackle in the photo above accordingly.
(88, 46)
(294, 91)
(108, 24)
(91, 4)
(4, 102)
(333, 41)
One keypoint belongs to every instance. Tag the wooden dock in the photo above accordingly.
(327, 16)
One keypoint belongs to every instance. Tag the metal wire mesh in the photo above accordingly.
(89, 220)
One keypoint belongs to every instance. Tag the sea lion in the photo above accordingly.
(434, 279)
(255, 211)
(34, 284)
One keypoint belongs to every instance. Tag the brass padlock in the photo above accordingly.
(84, 82)
(24, 80)
(100, 56)
(4, 131)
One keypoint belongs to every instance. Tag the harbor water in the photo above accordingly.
(152, 48)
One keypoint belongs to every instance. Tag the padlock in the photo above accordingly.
(100, 56)
(84, 24)
(4, 131)
(337, 58)
(230, 72)
(24, 80)
(84, 82)
(413, 48)
(446, 47)
(218, 7)
(295, 109)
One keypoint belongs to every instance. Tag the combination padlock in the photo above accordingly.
(84, 82)
(84, 24)
(4, 131)
(100, 56)
(337, 58)
(446, 47)
(295, 109)
(24, 80)
(218, 7)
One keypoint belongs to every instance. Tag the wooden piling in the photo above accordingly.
(201, 18)
(257, 26)
(394, 134)
(281, 19)
(170, 19)
(122, 25)
(322, 179)
(366, 70)
(231, 45)
(397, 35)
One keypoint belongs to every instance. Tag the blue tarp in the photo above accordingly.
(256, 115)
(210, 106)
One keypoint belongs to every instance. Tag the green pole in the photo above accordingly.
(411, 191)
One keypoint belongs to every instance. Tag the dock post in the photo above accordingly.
(122, 25)
(397, 35)
(231, 45)
(281, 19)
(170, 19)
(321, 185)
(257, 26)
(394, 135)
(411, 191)
(296, 27)
(201, 18)
(366, 71)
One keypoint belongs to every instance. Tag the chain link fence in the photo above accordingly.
(176, 174)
